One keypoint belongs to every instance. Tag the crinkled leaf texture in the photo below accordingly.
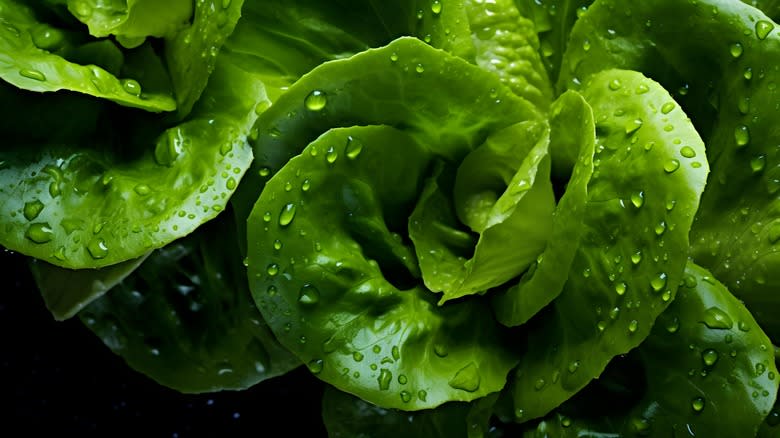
(186, 318)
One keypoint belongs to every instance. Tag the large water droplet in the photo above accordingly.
(736, 50)
(316, 101)
(717, 319)
(436, 7)
(308, 295)
(741, 136)
(466, 379)
(658, 282)
(638, 199)
(353, 148)
(763, 28)
(32, 209)
(287, 215)
(384, 379)
(671, 166)
(698, 404)
(97, 248)
(47, 38)
(39, 232)
(709, 357)
(35, 75)
(131, 87)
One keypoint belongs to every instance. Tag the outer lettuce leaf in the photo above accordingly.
(334, 278)
(630, 257)
(348, 416)
(66, 291)
(186, 319)
(502, 192)
(507, 45)
(27, 61)
(132, 20)
(731, 88)
(770, 7)
(104, 195)
(708, 368)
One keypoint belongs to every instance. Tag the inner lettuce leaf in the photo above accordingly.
(333, 276)
(502, 192)
(629, 259)
(186, 318)
(707, 369)
(127, 182)
(30, 58)
(730, 86)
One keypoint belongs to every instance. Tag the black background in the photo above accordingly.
(59, 377)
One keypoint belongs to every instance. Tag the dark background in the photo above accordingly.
(59, 377)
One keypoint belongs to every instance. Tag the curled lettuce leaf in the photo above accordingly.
(730, 90)
(629, 256)
(30, 59)
(328, 263)
(707, 370)
(186, 318)
(131, 20)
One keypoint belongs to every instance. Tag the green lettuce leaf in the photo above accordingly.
(630, 257)
(707, 370)
(30, 59)
(186, 318)
(725, 63)
(132, 20)
(502, 192)
(334, 278)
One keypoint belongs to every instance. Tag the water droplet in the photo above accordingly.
(633, 126)
(615, 85)
(97, 248)
(668, 107)
(717, 319)
(671, 165)
(272, 269)
(758, 163)
(308, 295)
(231, 183)
(638, 199)
(586, 44)
(47, 38)
(633, 326)
(744, 105)
(660, 229)
(709, 357)
(466, 379)
(748, 73)
(760, 369)
(353, 148)
(620, 288)
(35, 75)
(698, 404)
(636, 257)
(440, 350)
(658, 282)
(406, 397)
(614, 313)
(331, 155)
(736, 50)
(573, 366)
(131, 87)
(264, 171)
(287, 215)
(316, 101)
(743, 326)
(39, 232)
(419, 68)
(402, 379)
(673, 325)
(436, 7)
(384, 379)
(741, 135)
(763, 28)
(32, 209)
(316, 365)
(687, 152)
(394, 57)
(422, 394)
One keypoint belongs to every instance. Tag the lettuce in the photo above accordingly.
(463, 217)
